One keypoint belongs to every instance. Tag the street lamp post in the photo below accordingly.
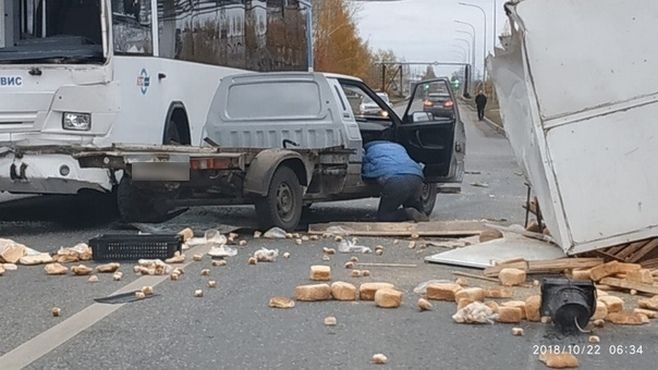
(484, 44)
(472, 37)
(468, 45)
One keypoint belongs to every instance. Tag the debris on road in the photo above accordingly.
(408, 229)
(378, 264)
(313, 292)
(388, 298)
(2, 270)
(326, 258)
(562, 360)
(108, 267)
(266, 255)
(320, 273)
(197, 257)
(281, 302)
(37, 259)
(10, 251)
(186, 234)
(423, 304)
(147, 290)
(275, 233)
(379, 250)
(81, 270)
(212, 284)
(612, 303)
(627, 318)
(511, 276)
(286, 254)
(217, 263)
(222, 251)
(55, 269)
(79, 252)
(349, 265)
(365, 273)
(9, 266)
(532, 308)
(356, 273)
(328, 250)
(257, 234)
(648, 313)
(490, 234)
(177, 258)
(367, 291)
(117, 276)
(92, 279)
(152, 267)
(330, 321)
(475, 313)
(509, 314)
(252, 261)
(205, 272)
(354, 259)
(56, 311)
(650, 303)
(349, 246)
(473, 294)
(442, 291)
(517, 332)
(242, 243)
(174, 276)
(342, 291)
(379, 359)
(139, 295)
(480, 184)
(198, 293)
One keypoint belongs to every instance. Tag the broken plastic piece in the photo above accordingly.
(275, 233)
(569, 303)
(349, 246)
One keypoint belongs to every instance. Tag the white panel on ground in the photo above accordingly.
(483, 255)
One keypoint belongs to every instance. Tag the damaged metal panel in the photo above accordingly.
(579, 95)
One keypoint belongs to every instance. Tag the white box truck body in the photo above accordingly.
(577, 83)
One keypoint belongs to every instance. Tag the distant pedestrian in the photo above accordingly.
(480, 103)
(401, 180)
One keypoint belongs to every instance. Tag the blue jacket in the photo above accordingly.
(385, 159)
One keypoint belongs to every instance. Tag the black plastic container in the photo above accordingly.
(568, 302)
(125, 247)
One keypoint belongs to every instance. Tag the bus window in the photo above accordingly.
(131, 27)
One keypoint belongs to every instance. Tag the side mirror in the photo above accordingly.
(417, 117)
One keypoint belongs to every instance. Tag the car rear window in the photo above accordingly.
(289, 99)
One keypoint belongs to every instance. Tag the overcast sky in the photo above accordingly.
(424, 30)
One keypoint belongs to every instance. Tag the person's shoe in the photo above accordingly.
(415, 215)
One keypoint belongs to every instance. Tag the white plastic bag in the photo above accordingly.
(266, 255)
(222, 251)
(275, 233)
(349, 246)
(475, 313)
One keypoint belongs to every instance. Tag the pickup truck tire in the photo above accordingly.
(282, 206)
(428, 198)
(140, 205)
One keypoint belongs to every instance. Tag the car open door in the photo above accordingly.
(432, 137)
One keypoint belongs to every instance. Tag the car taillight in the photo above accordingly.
(448, 104)
(428, 103)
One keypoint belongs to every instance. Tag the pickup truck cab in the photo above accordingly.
(282, 141)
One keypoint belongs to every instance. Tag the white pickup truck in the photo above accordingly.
(281, 141)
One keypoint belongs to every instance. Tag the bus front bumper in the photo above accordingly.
(49, 174)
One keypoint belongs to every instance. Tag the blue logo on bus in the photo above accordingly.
(143, 81)
(14, 81)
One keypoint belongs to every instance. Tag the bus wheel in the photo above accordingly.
(140, 205)
(428, 198)
(282, 206)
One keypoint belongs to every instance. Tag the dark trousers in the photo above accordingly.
(402, 190)
(480, 112)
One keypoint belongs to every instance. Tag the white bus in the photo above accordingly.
(98, 72)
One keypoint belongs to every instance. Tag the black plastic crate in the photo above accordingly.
(122, 247)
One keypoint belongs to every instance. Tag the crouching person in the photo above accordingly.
(401, 180)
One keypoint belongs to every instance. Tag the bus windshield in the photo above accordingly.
(51, 31)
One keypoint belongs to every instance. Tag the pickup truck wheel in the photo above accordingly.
(282, 207)
(140, 205)
(428, 198)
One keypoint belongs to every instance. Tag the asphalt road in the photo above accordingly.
(231, 326)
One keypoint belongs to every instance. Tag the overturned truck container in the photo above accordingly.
(578, 91)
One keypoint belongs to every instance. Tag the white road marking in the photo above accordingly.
(43, 343)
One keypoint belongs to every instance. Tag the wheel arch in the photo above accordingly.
(178, 115)
(261, 170)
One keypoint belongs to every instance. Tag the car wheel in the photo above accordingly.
(282, 206)
(428, 198)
